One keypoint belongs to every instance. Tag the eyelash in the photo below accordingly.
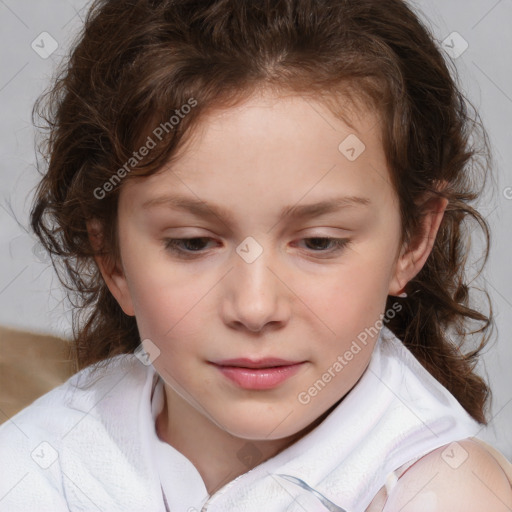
(173, 245)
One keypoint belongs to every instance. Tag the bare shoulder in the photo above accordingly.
(459, 476)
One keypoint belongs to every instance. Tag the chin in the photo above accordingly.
(260, 434)
(258, 426)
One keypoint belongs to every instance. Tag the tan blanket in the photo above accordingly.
(30, 365)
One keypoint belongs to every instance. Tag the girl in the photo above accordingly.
(258, 209)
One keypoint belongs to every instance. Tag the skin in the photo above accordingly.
(298, 300)
(432, 485)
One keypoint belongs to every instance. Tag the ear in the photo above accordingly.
(413, 257)
(112, 271)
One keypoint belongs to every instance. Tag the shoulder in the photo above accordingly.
(92, 393)
(63, 431)
(460, 476)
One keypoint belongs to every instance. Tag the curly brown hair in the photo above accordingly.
(138, 62)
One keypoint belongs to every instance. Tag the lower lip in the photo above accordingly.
(259, 378)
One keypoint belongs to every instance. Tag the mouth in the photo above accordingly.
(259, 374)
(267, 362)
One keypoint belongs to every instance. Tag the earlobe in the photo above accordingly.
(112, 272)
(412, 260)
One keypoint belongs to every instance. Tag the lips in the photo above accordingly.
(267, 362)
(260, 374)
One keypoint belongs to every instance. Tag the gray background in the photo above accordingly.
(30, 297)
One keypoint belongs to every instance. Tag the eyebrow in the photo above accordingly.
(298, 211)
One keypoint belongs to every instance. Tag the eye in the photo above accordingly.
(186, 247)
(195, 247)
(325, 245)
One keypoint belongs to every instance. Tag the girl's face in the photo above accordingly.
(281, 264)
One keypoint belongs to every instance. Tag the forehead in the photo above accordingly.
(277, 147)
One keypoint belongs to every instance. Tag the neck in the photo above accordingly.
(218, 456)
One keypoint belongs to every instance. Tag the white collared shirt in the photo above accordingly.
(91, 444)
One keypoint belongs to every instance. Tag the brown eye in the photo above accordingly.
(186, 246)
(325, 244)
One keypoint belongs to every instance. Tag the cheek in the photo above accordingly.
(348, 298)
(165, 305)
(164, 297)
(166, 311)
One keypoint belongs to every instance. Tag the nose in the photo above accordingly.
(255, 298)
